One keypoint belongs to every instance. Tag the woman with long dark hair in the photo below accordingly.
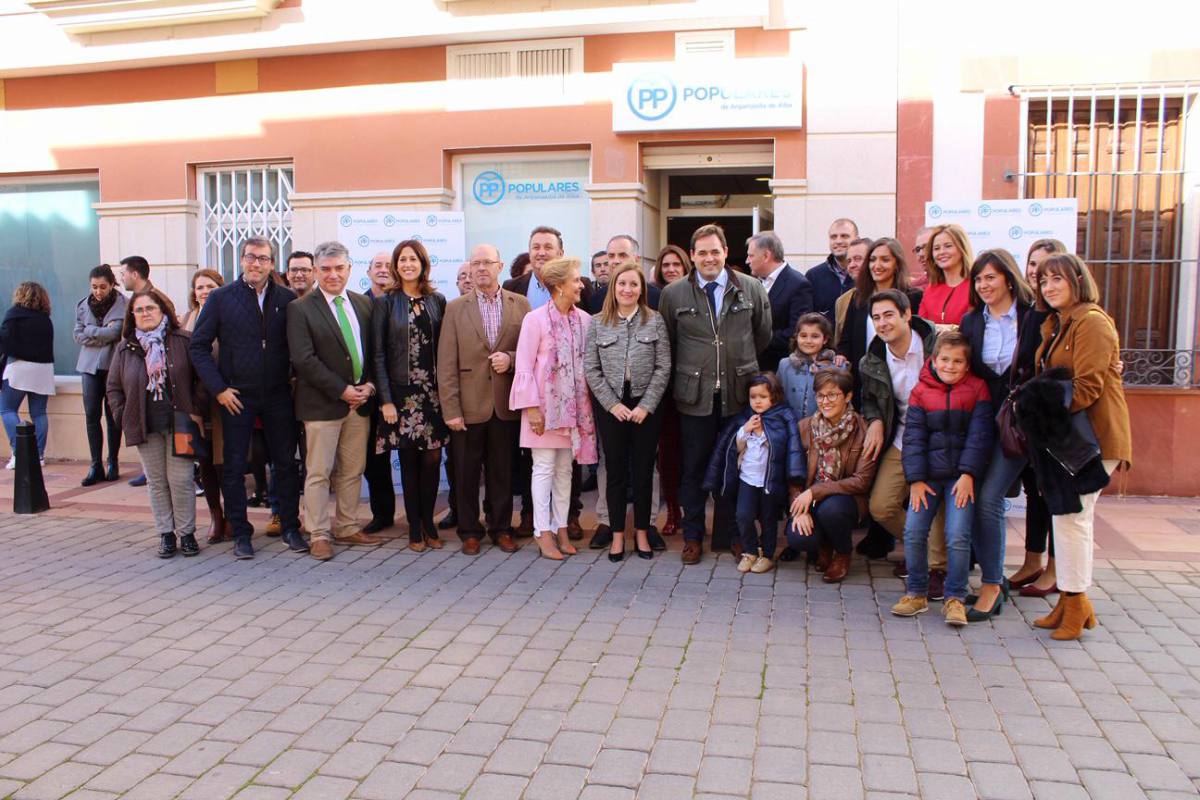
(98, 320)
(405, 325)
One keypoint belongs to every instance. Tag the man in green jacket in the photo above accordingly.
(718, 321)
(889, 371)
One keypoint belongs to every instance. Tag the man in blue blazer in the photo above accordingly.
(829, 279)
(247, 319)
(790, 293)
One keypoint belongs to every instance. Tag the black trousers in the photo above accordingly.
(698, 436)
(279, 431)
(757, 509)
(485, 447)
(1039, 530)
(834, 519)
(623, 443)
(94, 401)
(378, 473)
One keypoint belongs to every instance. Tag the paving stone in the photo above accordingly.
(834, 783)
(489, 786)
(999, 781)
(724, 775)
(516, 757)
(389, 780)
(555, 781)
(618, 768)
(451, 772)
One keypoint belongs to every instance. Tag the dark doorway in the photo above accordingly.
(737, 231)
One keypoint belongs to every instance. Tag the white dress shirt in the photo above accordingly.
(905, 372)
(348, 307)
(769, 281)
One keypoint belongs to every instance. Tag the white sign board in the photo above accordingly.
(1011, 225)
(708, 95)
(371, 232)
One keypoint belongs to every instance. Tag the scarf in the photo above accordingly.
(828, 440)
(100, 308)
(566, 397)
(805, 363)
(156, 358)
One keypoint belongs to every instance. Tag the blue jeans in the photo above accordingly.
(958, 541)
(756, 507)
(990, 532)
(10, 401)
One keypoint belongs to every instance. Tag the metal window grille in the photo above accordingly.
(1119, 150)
(242, 201)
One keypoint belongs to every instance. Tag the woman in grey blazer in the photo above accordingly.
(628, 365)
(98, 320)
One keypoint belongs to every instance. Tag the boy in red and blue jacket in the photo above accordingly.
(948, 437)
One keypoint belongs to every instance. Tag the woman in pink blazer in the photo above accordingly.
(550, 387)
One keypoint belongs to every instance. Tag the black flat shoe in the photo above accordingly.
(602, 537)
(113, 473)
(166, 545)
(656, 542)
(295, 542)
(788, 554)
(376, 525)
(188, 546)
(94, 475)
(449, 521)
(647, 554)
(242, 549)
(256, 500)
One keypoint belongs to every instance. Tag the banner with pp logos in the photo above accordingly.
(366, 233)
(1011, 225)
(708, 95)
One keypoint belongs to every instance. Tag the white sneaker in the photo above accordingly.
(12, 463)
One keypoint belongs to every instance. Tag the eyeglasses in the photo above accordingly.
(299, 270)
(478, 264)
(144, 310)
(262, 261)
(919, 249)
(832, 397)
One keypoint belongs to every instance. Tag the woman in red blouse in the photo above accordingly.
(947, 298)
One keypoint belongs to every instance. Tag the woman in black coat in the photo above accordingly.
(27, 345)
(405, 325)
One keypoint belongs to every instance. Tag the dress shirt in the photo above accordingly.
(538, 295)
(999, 339)
(769, 281)
(491, 309)
(721, 281)
(905, 372)
(753, 470)
(348, 307)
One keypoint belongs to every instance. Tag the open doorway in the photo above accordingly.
(737, 199)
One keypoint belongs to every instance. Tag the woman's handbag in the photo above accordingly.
(1008, 433)
(187, 440)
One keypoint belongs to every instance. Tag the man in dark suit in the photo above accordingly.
(545, 244)
(378, 472)
(622, 249)
(247, 319)
(790, 293)
(476, 353)
(329, 341)
(830, 279)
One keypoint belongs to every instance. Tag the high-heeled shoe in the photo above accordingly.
(1078, 614)
(646, 554)
(546, 546)
(1005, 593)
(975, 615)
(1029, 590)
(564, 543)
(1028, 579)
(617, 558)
(1054, 618)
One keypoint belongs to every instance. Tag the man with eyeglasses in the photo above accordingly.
(247, 318)
(476, 352)
(300, 272)
(919, 275)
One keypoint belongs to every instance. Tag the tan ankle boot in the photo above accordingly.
(547, 547)
(1054, 618)
(1077, 615)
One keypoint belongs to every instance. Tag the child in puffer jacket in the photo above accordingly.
(757, 456)
(810, 354)
(948, 437)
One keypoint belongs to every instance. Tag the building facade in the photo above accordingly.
(173, 129)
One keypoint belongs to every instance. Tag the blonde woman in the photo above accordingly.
(947, 298)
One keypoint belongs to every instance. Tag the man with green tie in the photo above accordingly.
(329, 339)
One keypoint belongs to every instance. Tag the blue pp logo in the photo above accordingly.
(431, 220)
(346, 220)
(935, 212)
(416, 237)
(364, 240)
(1015, 232)
(433, 260)
(389, 220)
(985, 210)
(363, 283)
(1035, 209)
(651, 97)
(488, 188)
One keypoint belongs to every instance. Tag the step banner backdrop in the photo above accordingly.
(370, 232)
(1012, 225)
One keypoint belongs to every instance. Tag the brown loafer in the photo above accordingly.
(838, 569)
(470, 547)
(506, 543)
(434, 542)
(321, 549)
(574, 529)
(691, 552)
(359, 537)
(417, 546)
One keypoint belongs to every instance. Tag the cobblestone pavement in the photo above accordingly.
(386, 674)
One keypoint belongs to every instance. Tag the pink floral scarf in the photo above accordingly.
(566, 394)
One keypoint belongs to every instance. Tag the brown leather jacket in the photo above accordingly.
(127, 380)
(857, 472)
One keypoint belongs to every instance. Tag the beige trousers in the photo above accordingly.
(337, 455)
(1074, 546)
(889, 506)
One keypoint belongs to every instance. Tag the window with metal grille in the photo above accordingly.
(237, 202)
(1119, 150)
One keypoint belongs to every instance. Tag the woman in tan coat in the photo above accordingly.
(1081, 338)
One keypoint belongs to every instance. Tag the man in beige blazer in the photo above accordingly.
(476, 353)
(328, 334)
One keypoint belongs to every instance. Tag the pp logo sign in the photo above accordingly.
(488, 188)
(431, 220)
(935, 212)
(985, 210)
(652, 97)
(1015, 232)
(1035, 209)
(389, 220)
(346, 220)
(364, 240)
(363, 283)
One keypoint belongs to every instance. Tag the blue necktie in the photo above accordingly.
(710, 289)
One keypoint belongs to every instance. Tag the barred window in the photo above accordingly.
(1119, 150)
(241, 201)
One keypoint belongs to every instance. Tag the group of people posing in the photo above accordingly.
(856, 394)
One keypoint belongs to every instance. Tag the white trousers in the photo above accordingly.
(602, 494)
(1073, 542)
(550, 486)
